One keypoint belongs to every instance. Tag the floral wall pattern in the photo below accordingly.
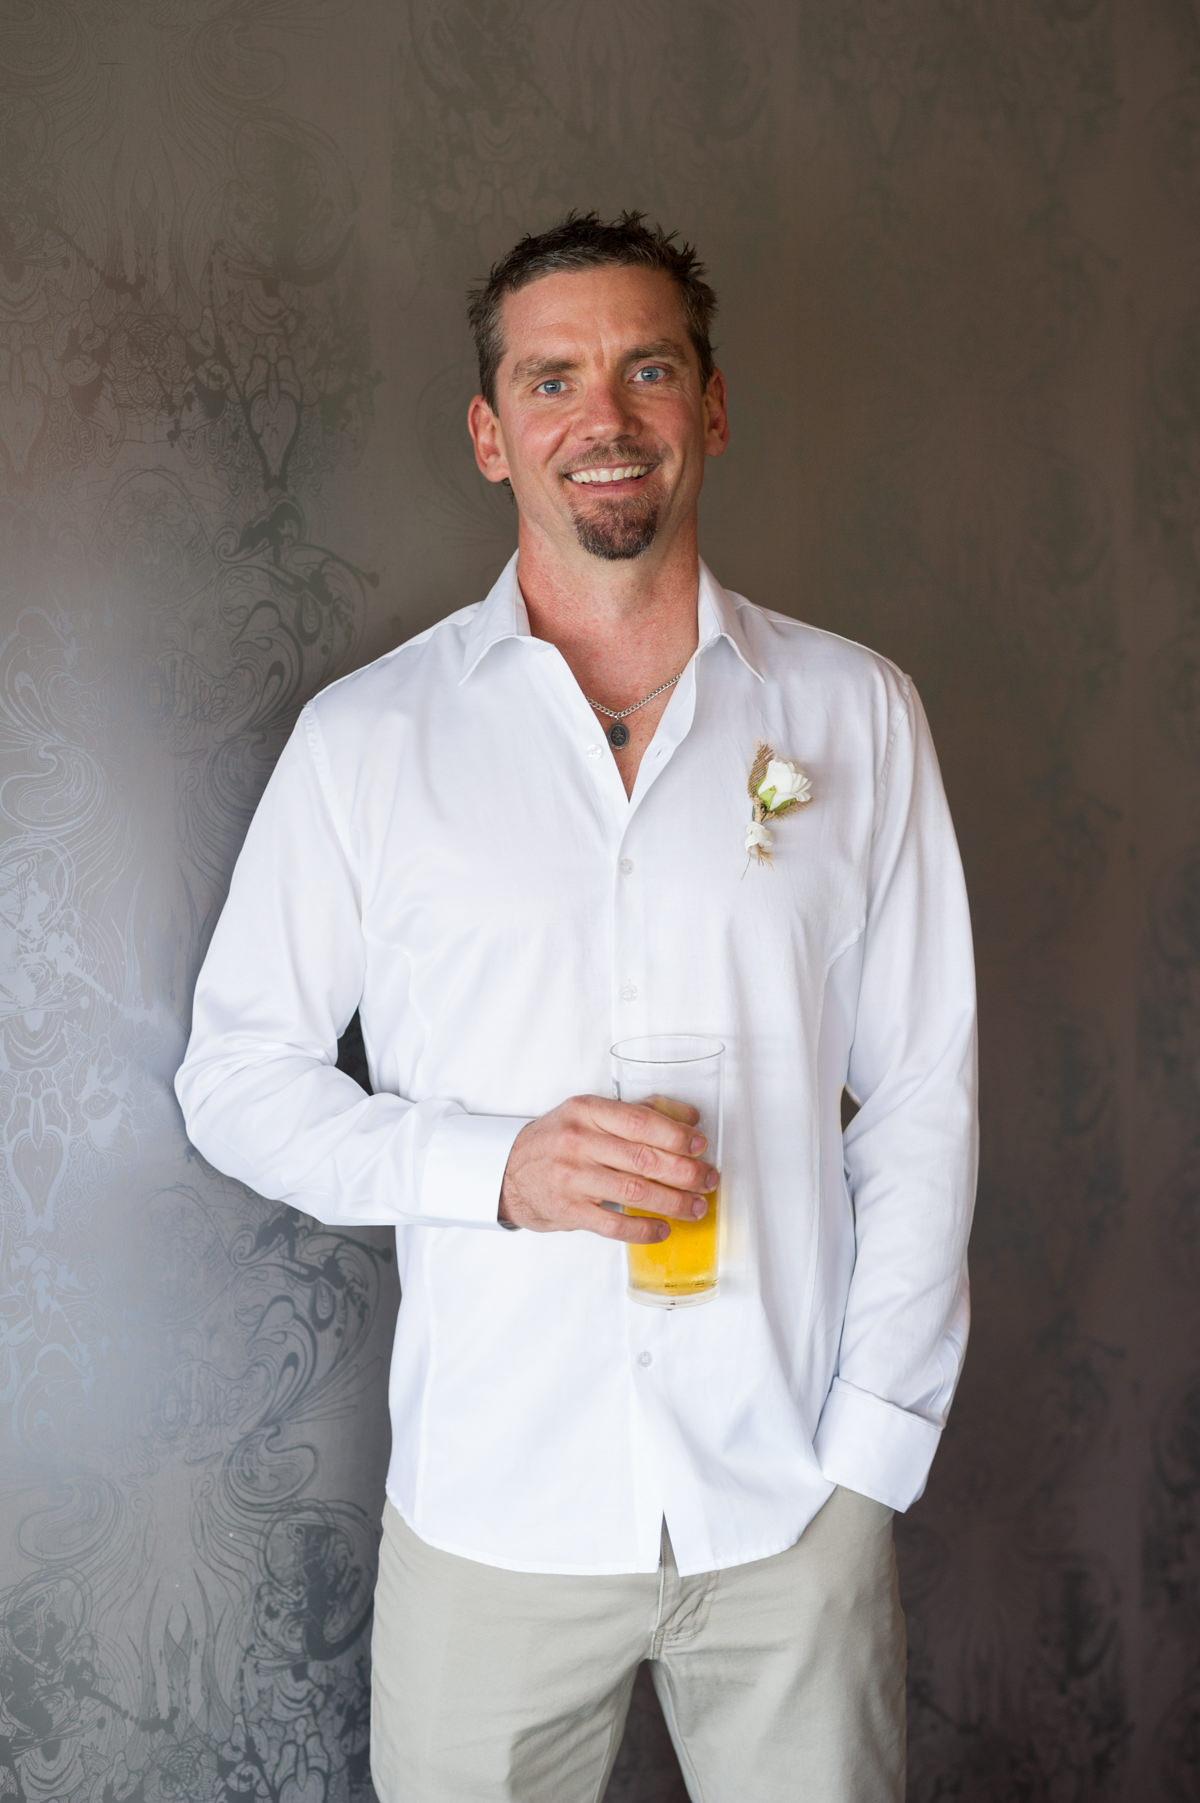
(956, 246)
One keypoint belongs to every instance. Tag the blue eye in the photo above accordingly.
(653, 373)
(552, 385)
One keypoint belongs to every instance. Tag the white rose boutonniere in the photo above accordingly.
(783, 782)
(776, 787)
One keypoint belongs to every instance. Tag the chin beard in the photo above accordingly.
(625, 530)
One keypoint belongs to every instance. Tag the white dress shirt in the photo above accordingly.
(446, 844)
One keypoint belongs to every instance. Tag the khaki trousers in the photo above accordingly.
(779, 1680)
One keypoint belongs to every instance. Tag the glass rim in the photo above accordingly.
(624, 1048)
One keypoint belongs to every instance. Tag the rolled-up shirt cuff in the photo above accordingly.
(873, 1446)
(464, 1167)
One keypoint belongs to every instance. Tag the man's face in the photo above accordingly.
(601, 424)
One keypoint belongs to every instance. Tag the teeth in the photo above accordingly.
(621, 475)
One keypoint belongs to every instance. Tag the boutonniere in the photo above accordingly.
(775, 787)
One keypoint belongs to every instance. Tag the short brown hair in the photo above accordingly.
(585, 241)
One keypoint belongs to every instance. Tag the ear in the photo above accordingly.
(716, 420)
(488, 439)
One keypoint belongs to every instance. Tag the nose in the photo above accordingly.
(608, 410)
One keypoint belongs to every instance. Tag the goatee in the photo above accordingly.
(620, 530)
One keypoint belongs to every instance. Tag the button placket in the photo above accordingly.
(626, 937)
(623, 936)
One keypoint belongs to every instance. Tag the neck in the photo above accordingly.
(623, 627)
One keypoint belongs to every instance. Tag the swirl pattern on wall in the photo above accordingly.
(183, 367)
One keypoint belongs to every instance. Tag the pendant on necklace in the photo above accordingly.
(618, 735)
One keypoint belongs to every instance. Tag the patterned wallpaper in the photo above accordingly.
(956, 246)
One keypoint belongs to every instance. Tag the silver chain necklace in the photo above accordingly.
(618, 735)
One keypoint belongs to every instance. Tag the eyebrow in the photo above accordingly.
(662, 347)
(540, 368)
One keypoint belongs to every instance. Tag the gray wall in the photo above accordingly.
(956, 244)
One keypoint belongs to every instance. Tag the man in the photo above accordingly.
(458, 843)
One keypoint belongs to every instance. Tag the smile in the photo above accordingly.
(624, 473)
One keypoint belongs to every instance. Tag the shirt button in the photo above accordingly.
(594, 751)
(625, 866)
(629, 992)
(644, 1358)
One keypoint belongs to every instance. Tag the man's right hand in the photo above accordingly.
(589, 1151)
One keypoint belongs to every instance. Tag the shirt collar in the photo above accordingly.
(718, 617)
(503, 615)
(500, 615)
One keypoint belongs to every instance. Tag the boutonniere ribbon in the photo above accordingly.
(775, 787)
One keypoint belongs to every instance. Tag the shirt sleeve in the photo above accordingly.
(260, 1091)
(911, 1151)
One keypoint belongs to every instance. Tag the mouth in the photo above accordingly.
(624, 476)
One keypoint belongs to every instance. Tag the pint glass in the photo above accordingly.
(672, 1071)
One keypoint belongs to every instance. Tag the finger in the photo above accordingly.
(675, 1111)
(653, 1198)
(651, 1125)
(605, 1219)
(634, 1230)
(653, 1170)
(592, 1167)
